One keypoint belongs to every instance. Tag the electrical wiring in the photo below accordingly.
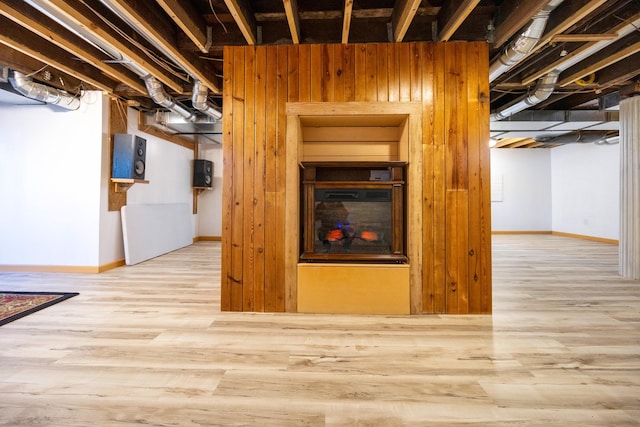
(218, 19)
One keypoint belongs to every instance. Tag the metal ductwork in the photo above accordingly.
(582, 137)
(160, 97)
(542, 91)
(519, 48)
(40, 92)
(200, 102)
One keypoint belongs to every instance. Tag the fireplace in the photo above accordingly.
(353, 212)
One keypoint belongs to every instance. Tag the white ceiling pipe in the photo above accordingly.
(542, 91)
(586, 51)
(519, 48)
(40, 92)
(199, 100)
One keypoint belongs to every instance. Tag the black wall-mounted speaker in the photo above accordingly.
(129, 154)
(202, 173)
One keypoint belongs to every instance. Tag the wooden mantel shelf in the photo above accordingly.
(123, 184)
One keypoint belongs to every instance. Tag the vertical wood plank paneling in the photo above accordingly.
(371, 71)
(404, 68)
(271, 208)
(349, 72)
(327, 75)
(361, 71)
(337, 70)
(393, 73)
(439, 185)
(304, 72)
(237, 240)
(280, 154)
(382, 72)
(428, 152)
(248, 272)
(451, 255)
(485, 180)
(448, 79)
(461, 245)
(473, 156)
(416, 77)
(260, 177)
(227, 180)
(316, 73)
(293, 77)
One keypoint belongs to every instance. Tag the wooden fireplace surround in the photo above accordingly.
(373, 288)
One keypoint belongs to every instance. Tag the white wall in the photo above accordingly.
(526, 189)
(586, 190)
(210, 201)
(54, 180)
(50, 180)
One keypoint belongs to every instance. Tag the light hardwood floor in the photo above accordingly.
(148, 345)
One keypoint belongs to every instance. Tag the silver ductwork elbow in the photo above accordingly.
(543, 90)
(39, 92)
(160, 97)
(200, 103)
(519, 48)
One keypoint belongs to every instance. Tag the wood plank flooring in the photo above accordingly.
(148, 345)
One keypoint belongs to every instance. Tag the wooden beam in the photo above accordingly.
(572, 38)
(610, 59)
(138, 13)
(514, 15)
(291, 10)
(25, 64)
(402, 16)
(22, 40)
(453, 15)
(243, 15)
(620, 73)
(81, 15)
(346, 20)
(45, 27)
(190, 21)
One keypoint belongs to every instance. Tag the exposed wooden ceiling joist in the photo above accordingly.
(138, 13)
(402, 16)
(22, 40)
(45, 27)
(185, 15)
(514, 15)
(453, 15)
(346, 20)
(84, 17)
(291, 10)
(572, 38)
(242, 13)
(38, 70)
(591, 67)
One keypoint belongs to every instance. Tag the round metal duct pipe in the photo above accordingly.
(40, 92)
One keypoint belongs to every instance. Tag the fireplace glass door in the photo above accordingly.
(352, 215)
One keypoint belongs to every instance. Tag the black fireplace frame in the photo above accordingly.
(353, 179)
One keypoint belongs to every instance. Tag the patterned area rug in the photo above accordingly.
(14, 305)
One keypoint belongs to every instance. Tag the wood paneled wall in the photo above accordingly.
(448, 79)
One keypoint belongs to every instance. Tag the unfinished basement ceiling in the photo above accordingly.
(593, 46)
